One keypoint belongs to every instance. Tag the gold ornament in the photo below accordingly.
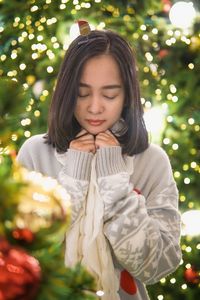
(30, 79)
(42, 202)
(195, 43)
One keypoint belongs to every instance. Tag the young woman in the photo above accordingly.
(125, 222)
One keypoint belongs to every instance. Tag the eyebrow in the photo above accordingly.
(105, 87)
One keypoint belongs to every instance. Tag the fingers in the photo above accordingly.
(106, 139)
(87, 142)
(83, 142)
(83, 132)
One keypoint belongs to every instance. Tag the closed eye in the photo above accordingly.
(110, 97)
(83, 95)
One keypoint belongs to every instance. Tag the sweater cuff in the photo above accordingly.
(109, 161)
(78, 164)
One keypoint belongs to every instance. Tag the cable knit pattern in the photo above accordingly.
(143, 230)
(109, 161)
(77, 164)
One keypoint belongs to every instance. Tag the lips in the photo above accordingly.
(95, 122)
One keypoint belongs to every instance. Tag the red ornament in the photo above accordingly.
(191, 276)
(167, 4)
(127, 283)
(23, 234)
(20, 273)
(163, 53)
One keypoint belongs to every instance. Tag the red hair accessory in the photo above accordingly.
(84, 27)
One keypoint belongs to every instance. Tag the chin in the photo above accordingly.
(94, 132)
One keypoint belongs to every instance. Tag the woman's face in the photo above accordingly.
(101, 94)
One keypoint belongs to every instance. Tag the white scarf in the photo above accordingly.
(86, 243)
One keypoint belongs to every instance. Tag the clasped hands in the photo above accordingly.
(87, 142)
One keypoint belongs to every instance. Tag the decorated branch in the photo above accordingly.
(34, 217)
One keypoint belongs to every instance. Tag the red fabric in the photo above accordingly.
(127, 283)
(137, 191)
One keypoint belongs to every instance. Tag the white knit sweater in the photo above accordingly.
(140, 218)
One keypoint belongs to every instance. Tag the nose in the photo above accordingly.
(95, 105)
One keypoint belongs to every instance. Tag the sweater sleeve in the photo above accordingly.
(24, 156)
(71, 169)
(74, 176)
(143, 233)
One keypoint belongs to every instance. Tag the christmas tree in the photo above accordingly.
(34, 37)
(34, 217)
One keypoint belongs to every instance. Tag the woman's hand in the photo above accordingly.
(84, 141)
(106, 139)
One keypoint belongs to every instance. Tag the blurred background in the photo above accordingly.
(165, 35)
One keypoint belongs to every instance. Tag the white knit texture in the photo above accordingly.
(90, 245)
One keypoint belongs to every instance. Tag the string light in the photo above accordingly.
(34, 56)
(185, 167)
(190, 121)
(145, 82)
(49, 69)
(62, 6)
(78, 7)
(193, 164)
(191, 225)
(183, 126)
(177, 174)
(101, 25)
(34, 8)
(13, 55)
(148, 56)
(154, 120)
(22, 66)
(170, 119)
(184, 286)
(166, 141)
(25, 122)
(155, 31)
(36, 113)
(14, 137)
(126, 18)
(38, 88)
(175, 146)
(191, 66)
(31, 36)
(145, 37)
(174, 98)
(100, 293)
(143, 27)
(186, 180)
(163, 280)
(182, 14)
(27, 133)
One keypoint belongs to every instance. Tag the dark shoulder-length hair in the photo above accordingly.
(62, 125)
